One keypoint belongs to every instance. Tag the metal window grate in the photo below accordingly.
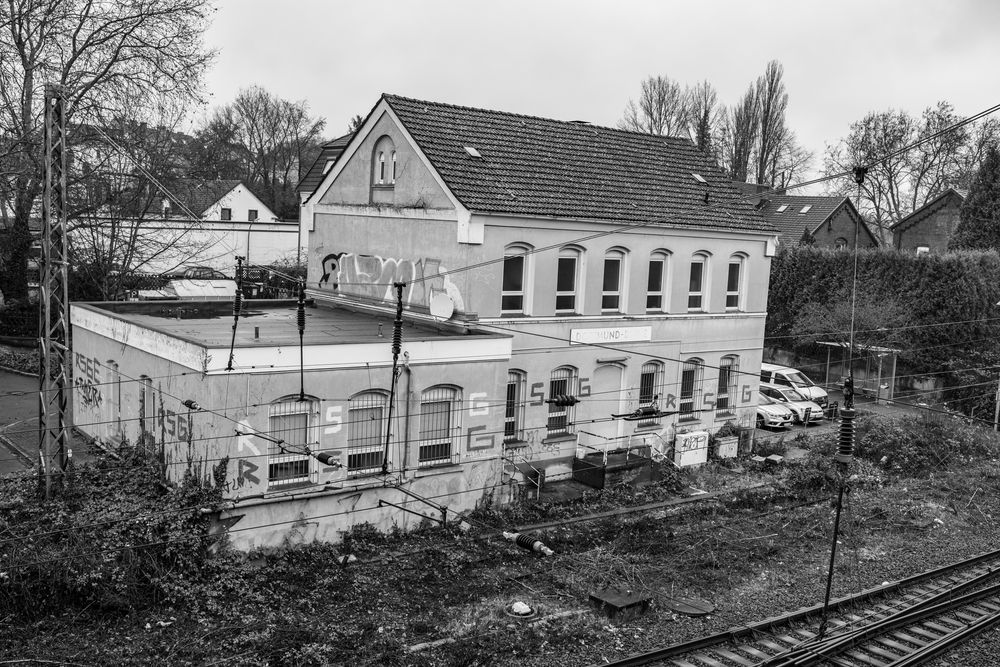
(561, 383)
(726, 389)
(650, 380)
(365, 431)
(291, 422)
(689, 379)
(438, 419)
(514, 408)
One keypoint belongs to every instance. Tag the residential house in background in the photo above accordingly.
(929, 228)
(328, 154)
(630, 275)
(831, 222)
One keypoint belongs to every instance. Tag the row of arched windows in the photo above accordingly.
(690, 399)
(516, 285)
(296, 424)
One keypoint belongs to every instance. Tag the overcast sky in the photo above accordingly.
(583, 60)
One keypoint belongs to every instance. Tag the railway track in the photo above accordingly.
(902, 623)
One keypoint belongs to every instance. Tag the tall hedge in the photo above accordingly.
(951, 299)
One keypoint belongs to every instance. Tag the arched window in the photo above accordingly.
(366, 416)
(513, 424)
(840, 243)
(513, 291)
(384, 163)
(612, 287)
(440, 408)
(294, 422)
(691, 373)
(568, 280)
(698, 283)
(562, 383)
(729, 369)
(735, 280)
(657, 282)
(650, 386)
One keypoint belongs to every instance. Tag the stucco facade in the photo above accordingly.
(662, 340)
(136, 364)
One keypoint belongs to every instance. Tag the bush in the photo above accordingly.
(115, 538)
(915, 447)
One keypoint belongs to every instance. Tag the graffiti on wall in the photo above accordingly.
(87, 379)
(372, 276)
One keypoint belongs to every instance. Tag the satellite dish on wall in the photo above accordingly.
(442, 306)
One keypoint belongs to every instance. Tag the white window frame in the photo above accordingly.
(393, 181)
(366, 436)
(252, 215)
(562, 381)
(701, 294)
(293, 451)
(618, 294)
(441, 448)
(513, 423)
(650, 389)
(727, 387)
(225, 213)
(735, 297)
(663, 259)
(686, 405)
(516, 250)
(576, 292)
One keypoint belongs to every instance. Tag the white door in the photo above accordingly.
(607, 397)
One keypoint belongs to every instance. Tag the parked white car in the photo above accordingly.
(790, 377)
(805, 411)
(772, 413)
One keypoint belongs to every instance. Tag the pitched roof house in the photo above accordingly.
(328, 154)
(929, 228)
(830, 221)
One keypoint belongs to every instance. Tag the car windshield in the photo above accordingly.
(766, 400)
(799, 378)
(793, 395)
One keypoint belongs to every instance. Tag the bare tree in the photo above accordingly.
(104, 54)
(898, 182)
(264, 141)
(706, 115)
(739, 135)
(662, 108)
(772, 133)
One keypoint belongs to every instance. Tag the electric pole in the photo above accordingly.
(53, 301)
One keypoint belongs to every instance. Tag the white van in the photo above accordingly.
(790, 377)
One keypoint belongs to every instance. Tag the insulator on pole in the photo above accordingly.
(845, 441)
(301, 313)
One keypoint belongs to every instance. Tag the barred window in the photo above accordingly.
(690, 388)
(726, 391)
(439, 412)
(294, 423)
(365, 432)
(513, 425)
(650, 384)
(562, 383)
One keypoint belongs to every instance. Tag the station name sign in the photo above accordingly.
(610, 335)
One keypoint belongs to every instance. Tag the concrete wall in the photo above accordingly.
(932, 229)
(110, 406)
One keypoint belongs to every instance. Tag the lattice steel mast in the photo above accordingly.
(53, 298)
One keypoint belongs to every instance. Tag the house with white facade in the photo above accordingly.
(630, 272)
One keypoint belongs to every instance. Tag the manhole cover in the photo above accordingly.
(690, 606)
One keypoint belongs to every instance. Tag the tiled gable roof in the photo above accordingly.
(915, 217)
(537, 167)
(791, 222)
(331, 150)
